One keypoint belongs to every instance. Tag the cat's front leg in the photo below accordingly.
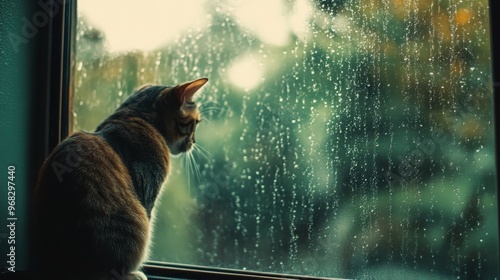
(136, 275)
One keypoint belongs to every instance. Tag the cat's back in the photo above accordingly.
(85, 168)
(88, 217)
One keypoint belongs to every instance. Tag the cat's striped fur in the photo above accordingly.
(96, 191)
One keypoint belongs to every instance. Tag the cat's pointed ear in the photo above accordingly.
(186, 91)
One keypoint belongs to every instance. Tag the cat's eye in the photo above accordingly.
(346, 138)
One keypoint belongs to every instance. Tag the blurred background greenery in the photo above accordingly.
(345, 138)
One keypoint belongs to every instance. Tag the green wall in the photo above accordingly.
(15, 93)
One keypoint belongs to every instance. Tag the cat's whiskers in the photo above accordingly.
(194, 166)
(209, 109)
(210, 113)
(188, 172)
(202, 151)
(210, 106)
(198, 172)
(211, 103)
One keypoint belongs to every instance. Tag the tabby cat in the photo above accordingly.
(96, 191)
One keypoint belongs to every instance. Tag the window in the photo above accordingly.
(346, 138)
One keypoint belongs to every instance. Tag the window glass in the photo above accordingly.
(344, 138)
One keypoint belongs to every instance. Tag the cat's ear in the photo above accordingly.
(186, 91)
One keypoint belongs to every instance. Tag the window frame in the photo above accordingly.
(59, 40)
(495, 64)
(160, 270)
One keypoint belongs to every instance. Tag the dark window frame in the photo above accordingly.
(495, 64)
(54, 56)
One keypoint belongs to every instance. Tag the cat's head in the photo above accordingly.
(174, 112)
(179, 115)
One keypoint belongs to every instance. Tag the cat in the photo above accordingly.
(96, 191)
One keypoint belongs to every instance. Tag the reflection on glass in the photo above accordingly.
(344, 138)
